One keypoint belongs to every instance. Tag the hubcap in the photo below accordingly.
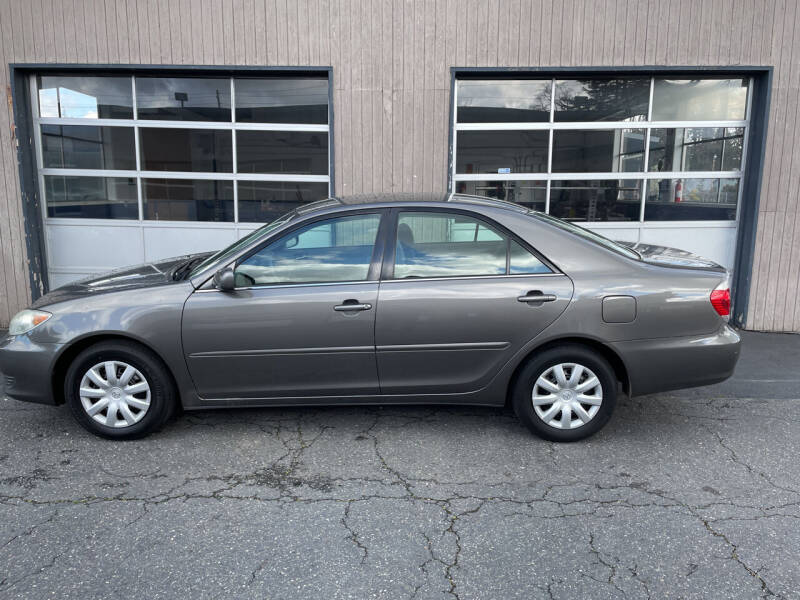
(567, 396)
(115, 394)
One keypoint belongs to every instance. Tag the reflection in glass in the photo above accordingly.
(79, 97)
(299, 152)
(602, 99)
(206, 150)
(502, 151)
(263, 201)
(608, 200)
(696, 149)
(187, 200)
(691, 200)
(327, 251)
(85, 147)
(183, 98)
(91, 197)
(598, 150)
(282, 100)
(503, 101)
(521, 261)
(699, 99)
(532, 194)
(442, 245)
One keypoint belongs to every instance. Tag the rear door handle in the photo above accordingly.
(352, 306)
(537, 297)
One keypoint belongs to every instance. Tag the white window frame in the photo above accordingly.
(140, 174)
(641, 176)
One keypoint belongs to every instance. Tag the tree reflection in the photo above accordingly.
(602, 99)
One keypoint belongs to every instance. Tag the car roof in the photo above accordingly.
(420, 199)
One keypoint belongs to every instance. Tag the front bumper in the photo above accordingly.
(26, 368)
(661, 365)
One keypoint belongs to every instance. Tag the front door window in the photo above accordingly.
(334, 250)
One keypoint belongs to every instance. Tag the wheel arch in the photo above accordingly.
(614, 359)
(77, 346)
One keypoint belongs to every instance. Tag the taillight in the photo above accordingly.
(721, 300)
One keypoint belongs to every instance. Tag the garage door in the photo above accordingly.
(138, 168)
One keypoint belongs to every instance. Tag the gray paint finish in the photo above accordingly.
(391, 62)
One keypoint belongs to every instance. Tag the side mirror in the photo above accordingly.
(224, 280)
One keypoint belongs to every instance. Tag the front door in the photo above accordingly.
(301, 321)
(462, 299)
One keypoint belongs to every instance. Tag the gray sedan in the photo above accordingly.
(381, 299)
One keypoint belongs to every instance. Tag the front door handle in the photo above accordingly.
(537, 297)
(352, 305)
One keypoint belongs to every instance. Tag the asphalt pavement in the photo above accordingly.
(691, 494)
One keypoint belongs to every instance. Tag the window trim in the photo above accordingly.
(387, 270)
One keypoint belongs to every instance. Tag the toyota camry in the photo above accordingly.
(381, 300)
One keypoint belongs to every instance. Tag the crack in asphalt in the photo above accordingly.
(284, 475)
(353, 534)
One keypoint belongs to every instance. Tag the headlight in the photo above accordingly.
(26, 320)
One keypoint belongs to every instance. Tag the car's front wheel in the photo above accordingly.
(566, 393)
(119, 390)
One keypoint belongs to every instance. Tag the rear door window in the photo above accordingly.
(438, 244)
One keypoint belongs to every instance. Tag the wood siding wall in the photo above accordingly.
(391, 61)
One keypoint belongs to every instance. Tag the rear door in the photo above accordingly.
(458, 298)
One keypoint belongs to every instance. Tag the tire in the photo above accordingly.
(538, 383)
(149, 394)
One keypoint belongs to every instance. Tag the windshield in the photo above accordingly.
(587, 235)
(242, 243)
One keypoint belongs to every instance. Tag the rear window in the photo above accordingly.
(587, 235)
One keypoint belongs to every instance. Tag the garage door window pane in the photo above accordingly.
(699, 99)
(691, 200)
(328, 251)
(78, 97)
(289, 100)
(598, 150)
(200, 150)
(79, 147)
(532, 194)
(91, 197)
(263, 201)
(696, 149)
(299, 152)
(613, 200)
(602, 99)
(502, 151)
(183, 98)
(187, 200)
(441, 245)
(505, 101)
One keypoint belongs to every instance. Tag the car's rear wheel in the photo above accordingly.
(119, 390)
(566, 393)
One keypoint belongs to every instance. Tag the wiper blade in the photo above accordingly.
(184, 269)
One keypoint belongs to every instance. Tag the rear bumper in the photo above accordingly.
(661, 365)
(26, 369)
